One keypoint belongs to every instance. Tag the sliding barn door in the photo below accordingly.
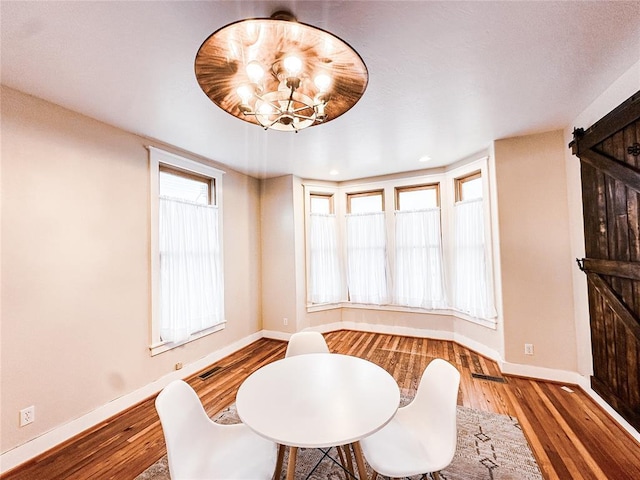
(609, 153)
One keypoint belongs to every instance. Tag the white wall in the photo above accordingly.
(279, 255)
(75, 301)
(534, 251)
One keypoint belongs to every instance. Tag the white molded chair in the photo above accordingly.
(306, 342)
(199, 448)
(421, 438)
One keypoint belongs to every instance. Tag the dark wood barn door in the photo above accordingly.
(609, 153)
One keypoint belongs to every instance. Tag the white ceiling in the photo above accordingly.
(446, 78)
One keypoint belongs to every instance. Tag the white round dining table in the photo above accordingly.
(318, 400)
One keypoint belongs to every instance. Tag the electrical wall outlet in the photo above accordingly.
(528, 348)
(27, 415)
(178, 365)
(285, 321)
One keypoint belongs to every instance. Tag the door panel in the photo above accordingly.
(609, 152)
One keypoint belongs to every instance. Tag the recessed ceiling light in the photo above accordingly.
(424, 158)
(334, 172)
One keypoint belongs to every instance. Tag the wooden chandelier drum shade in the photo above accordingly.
(221, 61)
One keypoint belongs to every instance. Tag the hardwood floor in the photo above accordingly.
(571, 437)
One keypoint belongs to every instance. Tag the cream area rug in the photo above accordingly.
(490, 446)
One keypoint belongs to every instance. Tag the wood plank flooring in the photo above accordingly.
(571, 436)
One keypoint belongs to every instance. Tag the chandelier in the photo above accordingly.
(280, 74)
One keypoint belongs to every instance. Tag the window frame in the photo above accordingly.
(410, 188)
(160, 159)
(370, 193)
(327, 196)
(211, 182)
(460, 181)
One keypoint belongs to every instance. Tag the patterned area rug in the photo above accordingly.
(490, 446)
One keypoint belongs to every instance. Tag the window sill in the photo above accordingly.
(492, 323)
(162, 347)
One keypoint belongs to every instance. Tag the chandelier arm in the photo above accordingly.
(290, 100)
(273, 103)
(274, 122)
(299, 109)
(304, 117)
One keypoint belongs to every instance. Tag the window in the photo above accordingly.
(472, 282)
(366, 202)
(186, 186)
(469, 187)
(187, 271)
(366, 248)
(321, 203)
(419, 280)
(417, 197)
(325, 279)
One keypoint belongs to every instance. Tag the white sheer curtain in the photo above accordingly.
(472, 292)
(191, 288)
(366, 258)
(325, 278)
(419, 280)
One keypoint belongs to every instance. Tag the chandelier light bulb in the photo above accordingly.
(322, 81)
(255, 72)
(245, 92)
(293, 65)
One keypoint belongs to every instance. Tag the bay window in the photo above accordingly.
(419, 243)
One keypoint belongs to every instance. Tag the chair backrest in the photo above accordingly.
(306, 342)
(186, 427)
(434, 408)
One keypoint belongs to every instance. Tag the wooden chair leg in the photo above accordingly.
(347, 454)
(344, 454)
(278, 472)
(436, 475)
(343, 460)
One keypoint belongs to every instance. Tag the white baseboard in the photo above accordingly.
(22, 453)
(275, 335)
(541, 373)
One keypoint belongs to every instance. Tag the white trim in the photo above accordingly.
(166, 346)
(541, 373)
(449, 312)
(22, 453)
(162, 156)
(275, 335)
